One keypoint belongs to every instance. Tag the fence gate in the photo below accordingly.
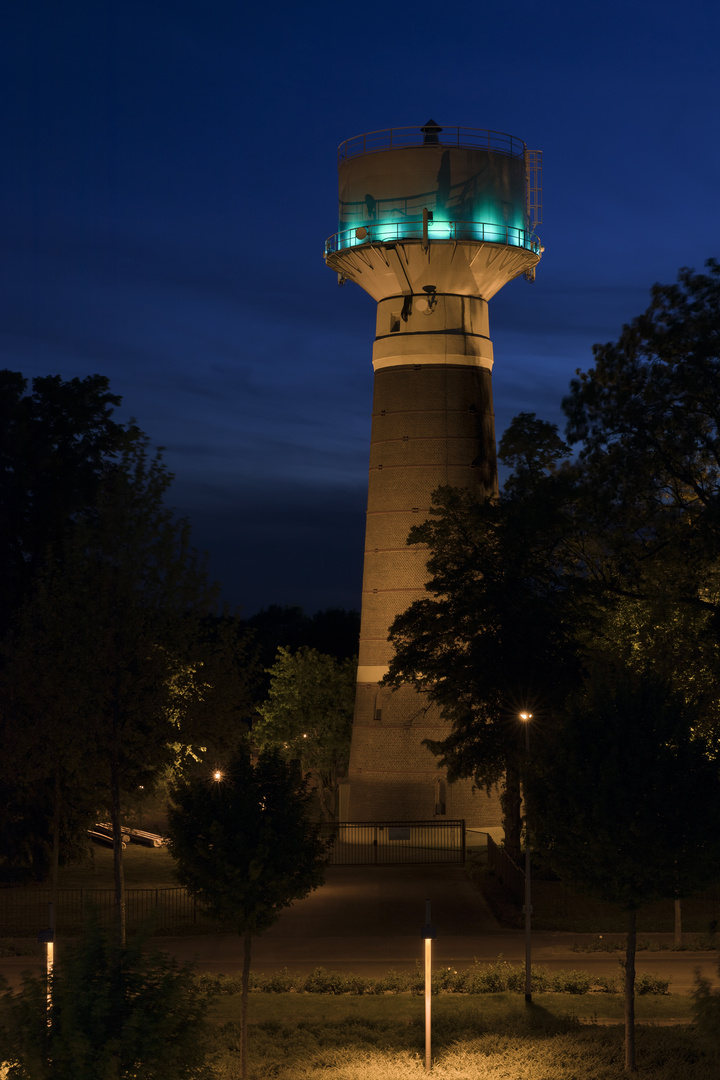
(387, 843)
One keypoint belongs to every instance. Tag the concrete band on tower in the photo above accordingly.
(433, 222)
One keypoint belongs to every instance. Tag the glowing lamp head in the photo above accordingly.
(217, 775)
(526, 716)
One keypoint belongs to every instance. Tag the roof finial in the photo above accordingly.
(430, 132)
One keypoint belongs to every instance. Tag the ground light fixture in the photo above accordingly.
(526, 717)
(428, 933)
(47, 938)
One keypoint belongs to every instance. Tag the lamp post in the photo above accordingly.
(526, 717)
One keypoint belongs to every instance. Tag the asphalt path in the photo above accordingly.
(368, 920)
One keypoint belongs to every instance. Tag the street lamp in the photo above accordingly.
(526, 717)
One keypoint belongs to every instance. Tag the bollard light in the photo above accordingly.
(526, 717)
(428, 933)
(47, 938)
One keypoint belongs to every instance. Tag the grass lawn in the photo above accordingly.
(475, 1037)
(144, 868)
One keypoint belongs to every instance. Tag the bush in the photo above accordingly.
(279, 982)
(115, 1012)
(647, 983)
(214, 985)
(497, 978)
(571, 982)
(321, 981)
(395, 982)
(481, 979)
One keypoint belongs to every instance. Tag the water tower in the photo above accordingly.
(433, 222)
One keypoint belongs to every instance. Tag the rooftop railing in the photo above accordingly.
(373, 142)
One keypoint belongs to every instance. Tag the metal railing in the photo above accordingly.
(553, 900)
(384, 843)
(505, 870)
(390, 232)
(374, 142)
(25, 911)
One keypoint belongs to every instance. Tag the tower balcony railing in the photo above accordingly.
(390, 232)
(374, 142)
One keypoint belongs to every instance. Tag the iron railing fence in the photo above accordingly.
(551, 900)
(373, 142)
(390, 232)
(505, 870)
(376, 843)
(25, 911)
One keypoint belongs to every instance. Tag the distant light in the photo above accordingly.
(217, 775)
(304, 736)
(526, 716)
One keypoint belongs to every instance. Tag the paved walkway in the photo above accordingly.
(368, 919)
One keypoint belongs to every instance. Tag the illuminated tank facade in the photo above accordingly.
(432, 223)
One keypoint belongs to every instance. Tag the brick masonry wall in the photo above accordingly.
(433, 425)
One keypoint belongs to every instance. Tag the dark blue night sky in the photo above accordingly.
(169, 178)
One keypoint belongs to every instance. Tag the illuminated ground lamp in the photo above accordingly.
(433, 222)
(47, 938)
(428, 933)
(526, 717)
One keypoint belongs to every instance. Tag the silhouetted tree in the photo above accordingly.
(624, 801)
(108, 675)
(57, 443)
(246, 848)
(496, 634)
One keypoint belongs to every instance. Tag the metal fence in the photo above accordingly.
(25, 911)
(553, 901)
(387, 843)
(505, 870)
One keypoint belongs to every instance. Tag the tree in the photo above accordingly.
(307, 717)
(623, 546)
(624, 801)
(647, 416)
(108, 673)
(246, 848)
(497, 632)
(115, 1014)
(648, 412)
(56, 445)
